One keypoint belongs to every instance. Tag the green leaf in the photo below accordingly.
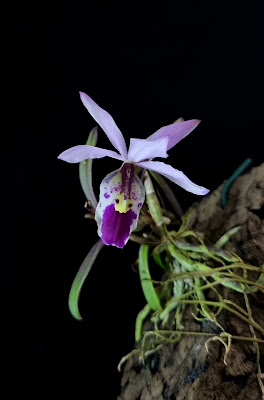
(222, 241)
(145, 278)
(85, 171)
(158, 261)
(142, 315)
(80, 277)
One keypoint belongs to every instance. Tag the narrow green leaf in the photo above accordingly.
(221, 242)
(80, 278)
(85, 170)
(158, 261)
(145, 278)
(142, 315)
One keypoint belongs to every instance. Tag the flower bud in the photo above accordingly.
(152, 200)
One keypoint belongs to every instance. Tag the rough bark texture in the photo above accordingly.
(185, 370)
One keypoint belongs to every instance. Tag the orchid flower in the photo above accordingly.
(121, 192)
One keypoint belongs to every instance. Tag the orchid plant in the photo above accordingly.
(191, 265)
(122, 193)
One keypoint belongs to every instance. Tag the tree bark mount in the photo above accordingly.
(185, 370)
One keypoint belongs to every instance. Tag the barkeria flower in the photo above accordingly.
(122, 192)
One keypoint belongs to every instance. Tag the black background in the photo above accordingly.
(146, 64)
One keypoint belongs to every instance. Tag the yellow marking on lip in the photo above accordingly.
(123, 205)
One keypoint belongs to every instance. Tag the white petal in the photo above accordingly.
(104, 119)
(82, 152)
(143, 149)
(175, 132)
(174, 175)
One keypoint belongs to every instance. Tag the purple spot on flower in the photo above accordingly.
(106, 195)
(117, 201)
(116, 226)
(139, 205)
